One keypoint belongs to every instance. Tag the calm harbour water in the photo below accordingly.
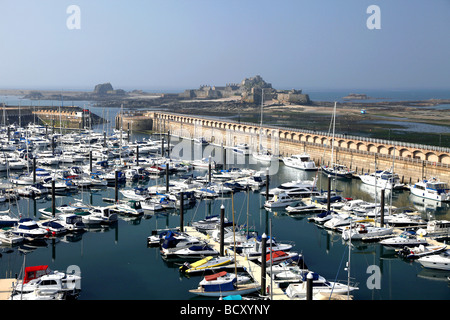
(116, 263)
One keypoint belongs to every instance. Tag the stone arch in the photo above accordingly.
(361, 146)
(444, 159)
(372, 148)
(352, 145)
(432, 157)
(405, 153)
(382, 149)
(417, 154)
(392, 150)
(341, 143)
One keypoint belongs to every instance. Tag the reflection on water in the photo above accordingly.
(413, 126)
(120, 252)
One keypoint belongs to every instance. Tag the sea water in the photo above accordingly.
(116, 263)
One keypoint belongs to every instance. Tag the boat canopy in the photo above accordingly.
(276, 254)
(215, 276)
(35, 272)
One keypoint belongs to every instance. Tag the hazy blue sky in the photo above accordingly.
(168, 44)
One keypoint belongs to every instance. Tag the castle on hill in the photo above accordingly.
(250, 90)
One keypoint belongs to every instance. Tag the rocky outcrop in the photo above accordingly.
(103, 88)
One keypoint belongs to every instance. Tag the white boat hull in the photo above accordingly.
(241, 290)
(437, 261)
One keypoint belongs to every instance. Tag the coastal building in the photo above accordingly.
(250, 90)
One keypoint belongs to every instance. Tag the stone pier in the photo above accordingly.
(411, 162)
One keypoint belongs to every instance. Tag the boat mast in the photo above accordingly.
(332, 139)
(261, 121)
(4, 116)
(392, 183)
(20, 118)
(376, 178)
(271, 262)
(348, 265)
(234, 236)
(248, 201)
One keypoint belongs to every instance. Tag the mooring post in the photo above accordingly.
(116, 188)
(222, 227)
(224, 155)
(263, 263)
(382, 208)
(167, 177)
(309, 286)
(90, 161)
(209, 170)
(329, 193)
(53, 198)
(182, 211)
(34, 170)
(137, 155)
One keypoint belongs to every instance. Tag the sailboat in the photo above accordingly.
(226, 284)
(335, 169)
(263, 154)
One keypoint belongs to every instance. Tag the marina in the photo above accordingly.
(225, 157)
(118, 248)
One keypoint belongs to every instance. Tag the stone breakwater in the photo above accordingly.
(412, 162)
(67, 117)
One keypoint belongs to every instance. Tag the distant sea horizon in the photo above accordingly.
(315, 94)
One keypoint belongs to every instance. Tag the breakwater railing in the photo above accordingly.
(352, 137)
(322, 133)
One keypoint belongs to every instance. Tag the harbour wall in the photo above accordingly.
(411, 162)
(67, 117)
(134, 121)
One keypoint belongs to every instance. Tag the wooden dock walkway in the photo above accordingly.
(252, 268)
(6, 286)
(396, 229)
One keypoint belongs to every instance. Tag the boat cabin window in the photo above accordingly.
(437, 186)
(48, 283)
